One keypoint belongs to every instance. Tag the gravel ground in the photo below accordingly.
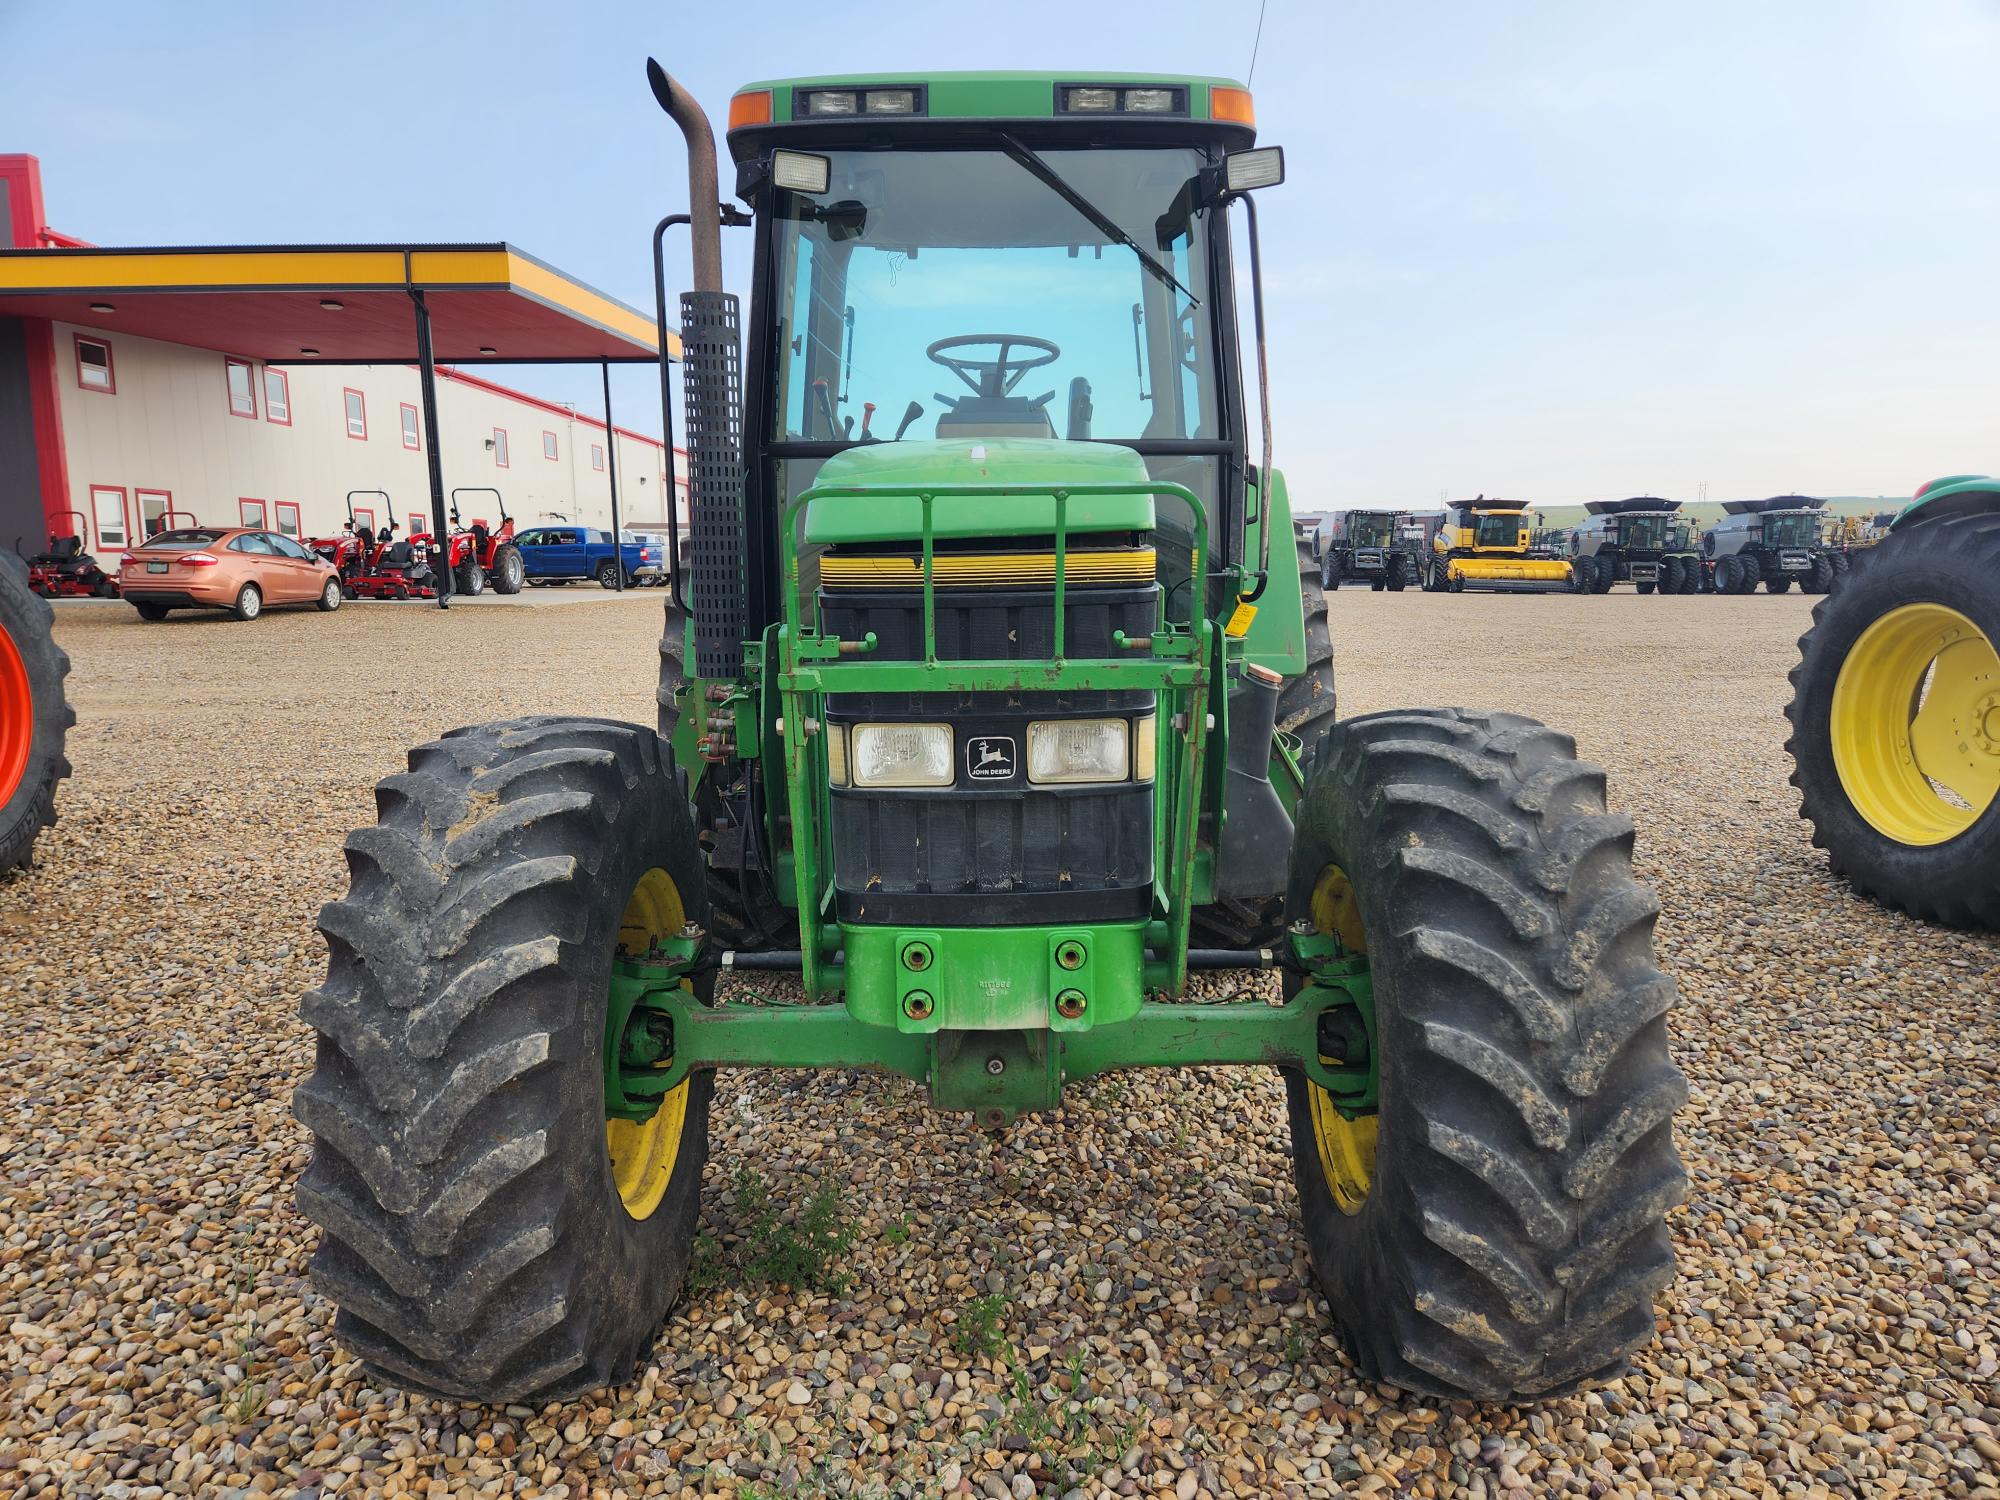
(1833, 1329)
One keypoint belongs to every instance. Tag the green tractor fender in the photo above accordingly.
(1954, 495)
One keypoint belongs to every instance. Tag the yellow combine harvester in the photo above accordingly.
(1484, 544)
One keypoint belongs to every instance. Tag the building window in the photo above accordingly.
(357, 413)
(277, 399)
(242, 388)
(156, 511)
(93, 366)
(410, 439)
(107, 508)
(364, 522)
(549, 446)
(252, 512)
(288, 517)
(597, 457)
(500, 447)
(418, 525)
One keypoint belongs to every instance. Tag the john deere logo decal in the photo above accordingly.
(990, 757)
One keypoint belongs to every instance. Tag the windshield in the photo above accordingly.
(1791, 531)
(1368, 531)
(1646, 533)
(1497, 531)
(170, 540)
(959, 281)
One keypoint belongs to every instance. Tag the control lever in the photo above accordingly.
(910, 414)
(867, 416)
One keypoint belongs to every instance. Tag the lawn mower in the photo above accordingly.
(66, 571)
(1486, 545)
(991, 733)
(35, 717)
(482, 553)
(1895, 710)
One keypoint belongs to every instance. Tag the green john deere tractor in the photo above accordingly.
(1896, 710)
(990, 726)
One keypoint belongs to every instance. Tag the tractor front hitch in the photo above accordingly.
(664, 1033)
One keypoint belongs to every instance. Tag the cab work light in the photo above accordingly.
(821, 103)
(800, 171)
(1067, 751)
(1244, 171)
(901, 755)
(1109, 99)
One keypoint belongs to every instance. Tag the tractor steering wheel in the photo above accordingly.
(999, 375)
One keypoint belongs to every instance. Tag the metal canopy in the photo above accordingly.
(489, 303)
(349, 305)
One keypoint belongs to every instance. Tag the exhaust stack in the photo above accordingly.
(712, 397)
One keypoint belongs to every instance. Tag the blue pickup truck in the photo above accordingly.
(562, 554)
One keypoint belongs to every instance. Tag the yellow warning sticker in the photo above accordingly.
(1239, 622)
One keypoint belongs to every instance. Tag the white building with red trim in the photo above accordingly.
(130, 432)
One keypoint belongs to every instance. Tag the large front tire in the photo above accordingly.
(1496, 1229)
(35, 717)
(486, 1235)
(1895, 718)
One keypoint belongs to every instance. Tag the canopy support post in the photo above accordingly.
(433, 458)
(611, 470)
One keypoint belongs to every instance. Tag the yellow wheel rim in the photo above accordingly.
(1346, 1147)
(1915, 724)
(643, 1152)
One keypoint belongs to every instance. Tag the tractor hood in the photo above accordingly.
(901, 471)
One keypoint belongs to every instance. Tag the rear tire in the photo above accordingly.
(475, 1237)
(1950, 562)
(607, 575)
(329, 597)
(1582, 575)
(32, 669)
(153, 613)
(1749, 573)
(1509, 1233)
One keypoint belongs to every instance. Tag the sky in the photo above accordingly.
(1557, 250)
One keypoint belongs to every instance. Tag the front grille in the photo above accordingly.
(987, 852)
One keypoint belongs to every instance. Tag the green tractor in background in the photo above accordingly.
(1896, 710)
(990, 727)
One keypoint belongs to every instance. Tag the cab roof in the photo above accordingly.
(999, 96)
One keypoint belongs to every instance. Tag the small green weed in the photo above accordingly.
(801, 1252)
(979, 1331)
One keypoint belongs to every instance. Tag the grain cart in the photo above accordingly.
(1485, 544)
(35, 717)
(1366, 546)
(1642, 541)
(992, 714)
(1896, 710)
(1775, 542)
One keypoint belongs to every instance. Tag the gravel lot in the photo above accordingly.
(1835, 1327)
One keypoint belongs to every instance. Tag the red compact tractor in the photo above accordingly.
(483, 553)
(66, 571)
(378, 566)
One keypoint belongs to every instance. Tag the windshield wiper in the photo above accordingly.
(1102, 222)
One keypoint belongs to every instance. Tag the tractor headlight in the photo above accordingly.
(836, 754)
(1079, 750)
(901, 755)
